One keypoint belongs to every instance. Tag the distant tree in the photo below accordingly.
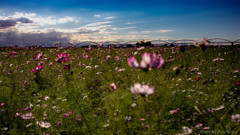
(142, 43)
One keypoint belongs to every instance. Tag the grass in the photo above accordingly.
(98, 109)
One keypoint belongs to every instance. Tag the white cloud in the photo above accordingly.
(126, 28)
(163, 31)
(103, 38)
(39, 20)
(146, 32)
(128, 23)
(133, 32)
(111, 17)
(24, 15)
(65, 19)
(97, 15)
(97, 23)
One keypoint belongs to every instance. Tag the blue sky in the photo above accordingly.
(30, 21)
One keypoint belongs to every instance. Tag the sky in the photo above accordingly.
(74, 21)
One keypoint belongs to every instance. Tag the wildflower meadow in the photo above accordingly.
(96, 90)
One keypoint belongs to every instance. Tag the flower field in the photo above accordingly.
(156, 90)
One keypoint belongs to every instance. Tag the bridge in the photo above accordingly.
(187, 42)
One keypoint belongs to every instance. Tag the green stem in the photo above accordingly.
(81, 112)
(111, 70)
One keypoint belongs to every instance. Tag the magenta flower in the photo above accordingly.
(66, 115)
(70, 112)
(67, 66)
(88, 49)
(148, 61)
(237, 83)
(61, 57)
(39, 56)
(142, 90)
(37, 69)
(86, 56)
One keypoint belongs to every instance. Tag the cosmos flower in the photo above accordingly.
(37, 69)
(107, 57)
(187, 130)
(66, 115)
(44, 124)
(67, 66)
(39, 56)
(88, 49)
(26, 116)
(86, 56)
(237, 83)
(142, 90)
(199, 125)
(173, 111)
(2, 104)
(235, 118)
(117, 58)
(113, 86)
(148, 61)
(61, 57)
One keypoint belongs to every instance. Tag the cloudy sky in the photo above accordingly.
(40, 21)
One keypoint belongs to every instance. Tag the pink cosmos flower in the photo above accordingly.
(28, 62)
(18, 115)
(39, 56)
(2, 104)
(199, 125)
(148, 61)
(61, 57)
(173, 111)
(86, 56)
(113, 86)
(37, 69)
(70, 112)
(59, 123)
(66, 115)
(107, 57)
(206, 128)
(88, 49)
(142, 90)
(117, 58)
(67, 66)
(27, 109)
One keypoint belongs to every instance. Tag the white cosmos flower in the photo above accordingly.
(44, 124)
(139, 89)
